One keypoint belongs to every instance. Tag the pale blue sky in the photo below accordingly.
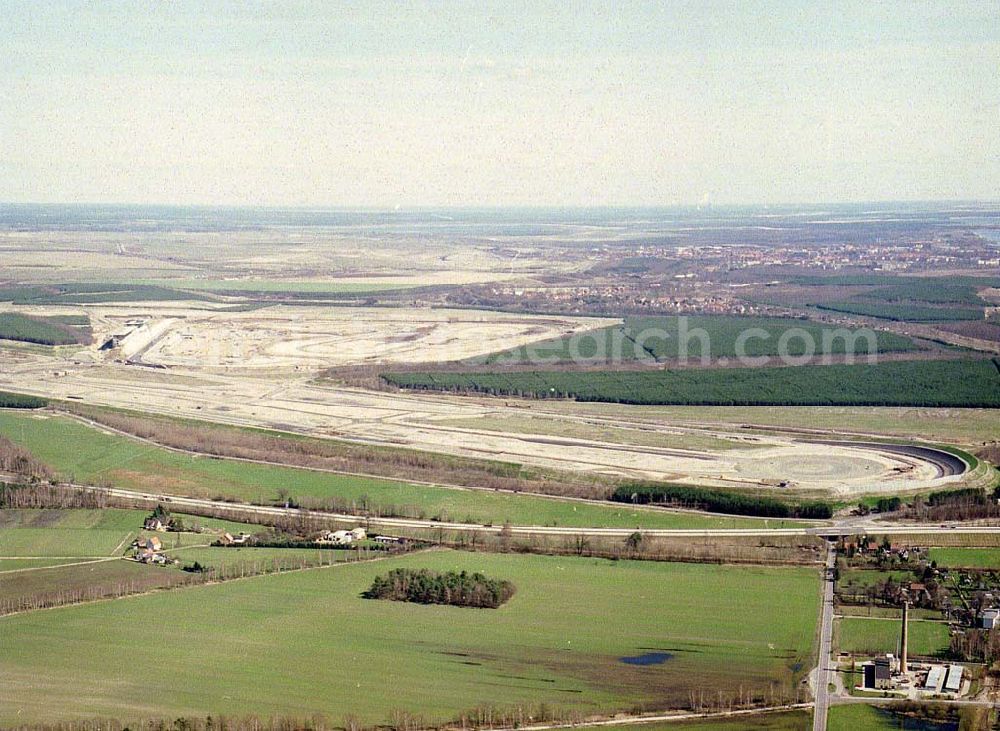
(324, 103)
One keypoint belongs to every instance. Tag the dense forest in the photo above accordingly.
(718, 501)
(904, 312)
(954, 383)
(20, 401)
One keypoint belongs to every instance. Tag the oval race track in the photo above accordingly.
(947, 464)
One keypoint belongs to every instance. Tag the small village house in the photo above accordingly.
(150, 543)
(154, 524)
(237, 540)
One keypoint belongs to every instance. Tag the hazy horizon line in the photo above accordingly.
(504, 206)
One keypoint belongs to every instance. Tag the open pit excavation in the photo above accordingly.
(213, 337)
(173, 360)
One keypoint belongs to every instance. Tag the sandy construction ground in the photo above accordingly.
(274, 257)
(311, 337)
(209, 337)
(282, 348)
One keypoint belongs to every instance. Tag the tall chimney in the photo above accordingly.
(903, 638)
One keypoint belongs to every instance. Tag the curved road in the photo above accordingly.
(947, 464)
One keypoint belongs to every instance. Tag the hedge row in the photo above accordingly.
(21, 401)
(719, 501)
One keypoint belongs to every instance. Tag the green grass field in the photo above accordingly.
(892, 288)
(787, 721)
(57, 580)
(935, 290)
(869, 577)
(19, 564)
(39, 330)
(960, 383)
(89, 292)
(277, 286)
(857, 610)
(661, 338)
(218, 555)
(67, 532)
(111, 519)
(66, 542)
(93, 533)
(869, 718)
(306, 642)
(861, 635)
(966, 558)
(85, 454)
(33, 543)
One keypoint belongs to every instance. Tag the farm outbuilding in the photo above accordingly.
(935, 678)
(147, 556)
(339, 537)
(954, 682)
(989, 618)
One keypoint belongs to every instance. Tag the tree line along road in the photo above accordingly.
(835, 529)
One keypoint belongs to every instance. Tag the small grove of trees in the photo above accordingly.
(44, 495)
(969, 718)
(893, 593)
(719, 501)
(19, 461)
(634, 542)
(173, 523)
(967, 503)
(882, 505)
(423, 586)
(888, 504)
(964, 496)
(975, 645)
